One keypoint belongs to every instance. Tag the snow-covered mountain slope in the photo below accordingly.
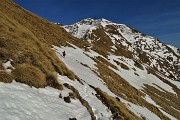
(129, 63)
(81, 63)
(111, 72)
(119, 38)
(21, 102)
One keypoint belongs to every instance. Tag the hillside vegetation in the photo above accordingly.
(26, 39)
(115, 72)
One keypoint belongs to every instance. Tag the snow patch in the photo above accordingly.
(21, 102)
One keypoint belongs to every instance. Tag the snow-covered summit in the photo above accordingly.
(85, 27)
(120, 37)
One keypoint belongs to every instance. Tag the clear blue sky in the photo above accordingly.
(158, 18)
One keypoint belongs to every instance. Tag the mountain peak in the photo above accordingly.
(118, 37)
(86, 26)
(96, 20)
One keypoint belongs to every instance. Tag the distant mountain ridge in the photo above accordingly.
(133, 41)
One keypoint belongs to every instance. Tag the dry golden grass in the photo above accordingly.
(165, 99)
(117, 84)
(122, 65)
(102, 60)
(112, 29)
(138, 65)
(5, 77)
(27, 38)
(122, 88)
(123, 51)
(118, 109)
(1, 66)
(103, 44)
(30, 75)
(4, 54)
(144, 58)
(174, 87)
(168, 101)
(51, 79)
(46, 31)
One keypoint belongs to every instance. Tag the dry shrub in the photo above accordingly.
(63, 70)
(85, 65)
(5, 77)
(29, 75)
(4, 54)
(1, 66)
(67, 99)
(138, 65)
(117, 62)
(124, 66)
(104, 61)
(51, 79)
(72, 95)
(123, 51)
(144, 58)
(117, 108)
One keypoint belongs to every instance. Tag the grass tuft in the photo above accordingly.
(1, 66)
(5, 77)
(52, 81)
(30, 75)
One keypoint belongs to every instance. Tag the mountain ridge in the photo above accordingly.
(124, 51)
(104, 75)
(126, 36)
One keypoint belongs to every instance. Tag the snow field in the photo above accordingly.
(75, 56)
(21, 102)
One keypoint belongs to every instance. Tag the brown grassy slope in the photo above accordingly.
(46, 31)
(170, 102)
(5, 77)
(122, 88)
(26, 38)
(118, 109)
(101, 42)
